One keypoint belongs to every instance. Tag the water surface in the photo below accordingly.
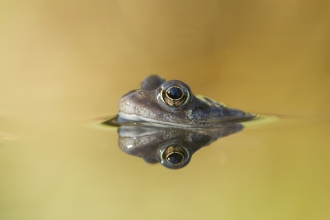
(65, 63)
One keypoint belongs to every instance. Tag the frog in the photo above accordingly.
(172, 103)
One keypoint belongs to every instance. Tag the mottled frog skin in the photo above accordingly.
(173, 103)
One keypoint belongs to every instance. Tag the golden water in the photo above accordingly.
(63, 63)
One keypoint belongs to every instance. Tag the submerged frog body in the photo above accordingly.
(173, 103)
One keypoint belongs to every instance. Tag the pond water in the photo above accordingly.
(66, 64)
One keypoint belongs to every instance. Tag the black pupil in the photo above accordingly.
(175, 158)
(174, 93)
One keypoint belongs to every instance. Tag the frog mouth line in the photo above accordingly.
(138, 118)
(134, 117)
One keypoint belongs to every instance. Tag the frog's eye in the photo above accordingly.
(175, 96)
(173, 93)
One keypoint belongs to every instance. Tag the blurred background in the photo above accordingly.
(63, 63)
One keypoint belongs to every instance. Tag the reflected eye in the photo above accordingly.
(175, 158)
(174, 155)
(175, 96)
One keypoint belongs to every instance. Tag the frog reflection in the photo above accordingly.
(170, 146)
(173, 103)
